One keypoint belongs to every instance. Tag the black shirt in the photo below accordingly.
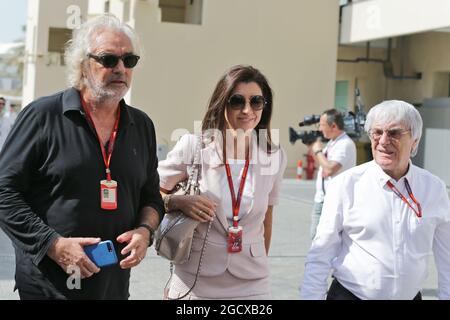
(50, 171)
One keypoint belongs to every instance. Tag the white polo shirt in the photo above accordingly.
(341, 150)
(374, 241)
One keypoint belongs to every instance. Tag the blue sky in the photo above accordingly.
(14, 16)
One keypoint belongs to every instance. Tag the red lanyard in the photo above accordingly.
(112, 139)
(418, 212)
(236, 201)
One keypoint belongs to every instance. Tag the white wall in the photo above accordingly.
(41, 76)
(96, 7)
(294, 43)
(377, 19)
(435, 145)
(29, 70)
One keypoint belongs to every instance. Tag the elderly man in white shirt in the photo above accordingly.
(338, 156)
(382, 219)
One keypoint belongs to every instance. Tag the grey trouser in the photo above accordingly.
(315, 217)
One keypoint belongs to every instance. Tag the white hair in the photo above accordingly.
(79, 46)
(396, 111)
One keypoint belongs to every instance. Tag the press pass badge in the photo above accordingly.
(235, 239)
(108, 194)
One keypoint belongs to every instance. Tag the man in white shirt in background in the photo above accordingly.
(6, 121)
(338, 156)
(382, 219)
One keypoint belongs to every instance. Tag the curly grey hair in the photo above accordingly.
(80, 45)
(397, 111)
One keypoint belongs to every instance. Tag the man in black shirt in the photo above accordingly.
(80, 166)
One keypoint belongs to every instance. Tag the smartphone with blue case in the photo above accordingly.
(102, 254)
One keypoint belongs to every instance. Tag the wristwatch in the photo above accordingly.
(150, 230)
(317, 152)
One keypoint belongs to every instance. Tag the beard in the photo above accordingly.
(100, 90)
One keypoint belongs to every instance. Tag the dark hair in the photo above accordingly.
(215, 115)
(1, 98)
(334, 116)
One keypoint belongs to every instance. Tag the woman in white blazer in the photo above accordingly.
(237, 156)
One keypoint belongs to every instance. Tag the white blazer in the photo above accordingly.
(267, 175)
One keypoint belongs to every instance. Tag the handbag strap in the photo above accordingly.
(193, 183)
(196, 171)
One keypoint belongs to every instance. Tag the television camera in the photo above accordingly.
(353, 125)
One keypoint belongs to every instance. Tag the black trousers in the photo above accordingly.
(339, 292)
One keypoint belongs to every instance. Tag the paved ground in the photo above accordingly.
(290, 243)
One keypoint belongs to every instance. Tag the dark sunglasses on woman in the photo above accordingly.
(111, 60)
(237, 102)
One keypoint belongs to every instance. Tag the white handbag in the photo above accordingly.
(173, 238)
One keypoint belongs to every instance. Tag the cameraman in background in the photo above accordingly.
(337, 156)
